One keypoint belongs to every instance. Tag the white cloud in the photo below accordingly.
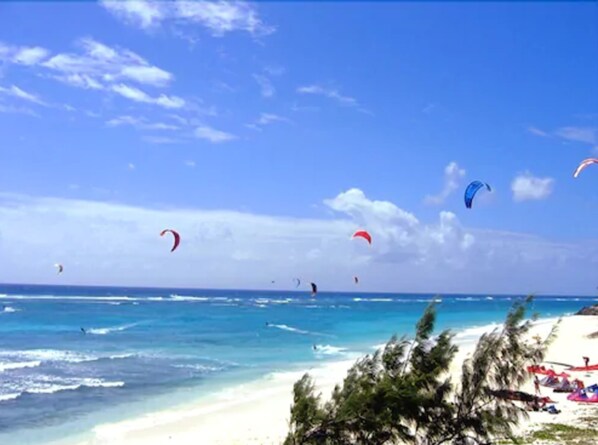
(190, 163)
(330, 93)
(140, 123)
(161, 140)
(219, 17)
(213, 135)
(587, 135)
(17, 92)
(98, 64)
(143, 14)
(11, 109)
(131, 166)
(452, 178)
(537, 132)
(137, 95)
(112, 244)
(22, 55)
(30, 55)
(527, 187)
(266, 119)
(266, 87)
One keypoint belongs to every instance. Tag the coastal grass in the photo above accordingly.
(558, 434)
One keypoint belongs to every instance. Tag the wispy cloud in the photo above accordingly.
(586, 135)
(190, 163)
(218, 17)
(582, 134)
(161, 140)
(213, 135)
(19, 93)
(131, 166)
(526, 187)
(453, 175)
(140, 123)
(22, 55)
(11, 109)
(537, 132)
(333, 94)
(266, 87)
(137, 95)
(329, 93)
(98, 65)
(267, 119)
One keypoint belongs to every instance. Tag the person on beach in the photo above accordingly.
(586, 361)
(537, 384)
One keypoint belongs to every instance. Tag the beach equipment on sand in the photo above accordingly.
(585, 395)
(535, 369)
(584, 368)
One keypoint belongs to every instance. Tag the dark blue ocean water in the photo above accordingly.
(144, 343)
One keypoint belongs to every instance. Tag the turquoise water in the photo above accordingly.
(145, 344)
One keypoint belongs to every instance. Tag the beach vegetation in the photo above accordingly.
(403, 393)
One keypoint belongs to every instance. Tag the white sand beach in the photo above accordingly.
(258, 412)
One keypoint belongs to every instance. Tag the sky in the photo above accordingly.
(267, 133)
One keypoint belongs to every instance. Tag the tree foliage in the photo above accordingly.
(403, 394)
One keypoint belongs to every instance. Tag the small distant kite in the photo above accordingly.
(314, 289)
(585, 163)
(177, 238)
(356, 279)
(471, 191)
(297, 282)
(59, 268)
(363, 234)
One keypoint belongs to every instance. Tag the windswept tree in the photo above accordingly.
(403, 394)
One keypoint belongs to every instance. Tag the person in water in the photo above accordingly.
(315, 347)
(586, 361)
(83, 330)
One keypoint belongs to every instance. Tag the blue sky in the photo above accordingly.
(267, 132)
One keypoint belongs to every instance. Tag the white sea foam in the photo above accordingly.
(175, 297)
(329, 350)
(198, 367)
(110, 329)
(6, 366)
(9, 309)
(48, 355)
(51, 387)
(285, 327)
(374, 300)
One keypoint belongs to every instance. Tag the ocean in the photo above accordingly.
(145, 349)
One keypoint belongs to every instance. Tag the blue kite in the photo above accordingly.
(471, 191)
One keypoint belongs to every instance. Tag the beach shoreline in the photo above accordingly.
(259, 410)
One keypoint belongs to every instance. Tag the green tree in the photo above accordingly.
(402, 394)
